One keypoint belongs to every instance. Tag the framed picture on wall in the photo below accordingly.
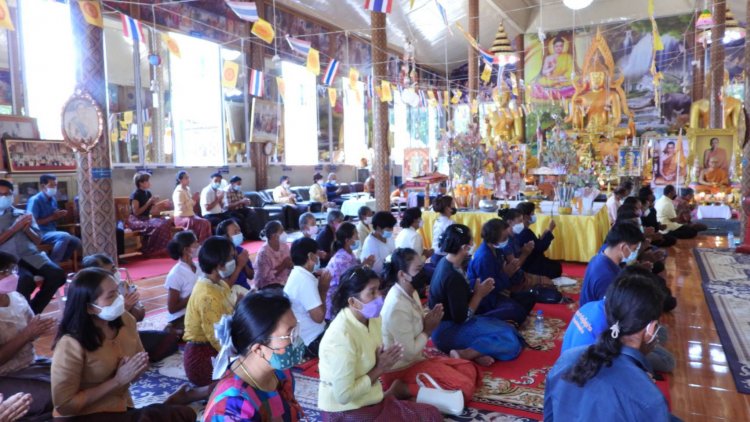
(264, 125)
(18, 127)
(37, 155)
(26, 190)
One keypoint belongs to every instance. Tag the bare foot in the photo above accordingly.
(484, 361)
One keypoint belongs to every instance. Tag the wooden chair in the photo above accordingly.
(133, 238)
(70, 224)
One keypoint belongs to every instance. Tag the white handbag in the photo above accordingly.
(450, 402)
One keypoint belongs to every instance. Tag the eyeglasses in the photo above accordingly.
(9, 271)
(293, 337)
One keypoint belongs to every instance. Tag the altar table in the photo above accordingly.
(351, 207)
(714, 211)
(577, 237)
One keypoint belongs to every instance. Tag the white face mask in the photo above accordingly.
(51, 192)
(502, 244)
(632, 257)
(282, 238)
(113, 311)
(533, 219)
(368, 220)
(518, 228)
(228, 270)
(647, 212)
(6, 202)
(237, 239)
(312, 230)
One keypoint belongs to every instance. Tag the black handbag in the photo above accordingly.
(546, 294)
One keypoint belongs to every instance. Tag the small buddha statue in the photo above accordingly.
(508, 121)
(700, 111)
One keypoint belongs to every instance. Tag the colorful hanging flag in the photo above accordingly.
(92, 12)
(486, 73)
(244, 10)
(313, 61)
(474, 106)
(172, 45)
(353, 78)
(229, 74)
(378, 92)
(256, 83)
(370, 86)
(411, 4)
(331, 70)
(456, 96)
(446, 98)
(431, 97)
(440, 98)
(443, 13)
(385, 91)
(5, 21)
(131, 28)
(422, 99)
(382, 6)
(332, 97)
(263, 30)
(298, 45)
(514, 84)
(281, 86)
(487, 56)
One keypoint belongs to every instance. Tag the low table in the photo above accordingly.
(714, 211)
(351, 207)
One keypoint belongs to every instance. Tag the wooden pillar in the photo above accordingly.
(520, 65)
(473, 58)
(95, 199)
(381, 167)
(699, 52)
(258, 159)
(717, 63)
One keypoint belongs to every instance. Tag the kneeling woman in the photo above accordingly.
(405, 323)
(259, 385)
(98, 354)
(352, 358)
(462, 333)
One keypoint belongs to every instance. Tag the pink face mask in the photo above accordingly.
(9, 284)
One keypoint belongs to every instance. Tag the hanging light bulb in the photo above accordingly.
(577, 4)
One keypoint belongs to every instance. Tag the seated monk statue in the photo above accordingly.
(714, 178)
(508, 121)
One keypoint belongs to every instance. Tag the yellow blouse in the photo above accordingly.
(318, 193)
(347, 353)
(75, 369)
(207, 304)
(183, 202)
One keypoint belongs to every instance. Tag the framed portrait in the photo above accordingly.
(18, 127)
(416, 162)
(670, 161)
(714, 154)
(264, 125)
(38, 156)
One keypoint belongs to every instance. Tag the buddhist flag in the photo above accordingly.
(382, 6)
(5, 21)
(244, 10)
(263, 30)
(256, 83)
(650, 8)
(456, 96)
(332, 97)
(229, 74)
(313, 61)
(486, 73)
(92, 12)
(353, 78)
(446, 98)
(281, 86)
(385, 91)
(378, 92)
(474, 106)
(172, 45)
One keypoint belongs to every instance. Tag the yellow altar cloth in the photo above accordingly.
(577, 237)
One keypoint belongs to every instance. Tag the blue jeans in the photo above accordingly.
(63, 245)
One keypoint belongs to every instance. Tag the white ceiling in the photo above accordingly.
(434, 44)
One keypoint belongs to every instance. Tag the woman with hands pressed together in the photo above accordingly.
(536, 262)
(97, 354)
(352, 359)
(462, 333)
(344, 257)
(406, 323)
(273, 262)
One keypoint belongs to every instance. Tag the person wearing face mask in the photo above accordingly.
(462, 333)
(157, 231)
(211, 299)
(272, 263)
(184, 214)
(409, 237)
(642, 210)
(97, 355)
(406, 323)
(327, 235)
(318, 193)
(623, 243)
(667, 215)
(489, 261)
(307, 292)
(445, 208)
(181, 278)
(347, 241)
(516, 251)
(43, 206)
(612, 379)
(590, 320)
(258, 385)
(212, 201)
(236, 206)
(380, 243)
(614, 201)
(353, 358)
(364, 226)
(243, 272)
(649, 219)
(333, 190)
(537, 263)
(19, 236)
(19, 328)
(308, 225)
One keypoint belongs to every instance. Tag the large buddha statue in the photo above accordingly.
(508, 121)
(700, 111)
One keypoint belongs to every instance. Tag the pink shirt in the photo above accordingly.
(266, 263)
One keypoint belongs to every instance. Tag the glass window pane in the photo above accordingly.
(355, 143)
(158, 146)
(49, 62)
(6, 87)
(234, 110)
(324, 126)
(300, 115)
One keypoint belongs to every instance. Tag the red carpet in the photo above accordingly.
(574, 269)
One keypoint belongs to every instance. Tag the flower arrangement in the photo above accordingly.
(559, 154)
(469, 156)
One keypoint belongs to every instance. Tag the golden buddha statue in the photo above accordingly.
(714, 178)
(700, 111)
(508, 121)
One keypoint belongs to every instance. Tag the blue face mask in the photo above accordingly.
(6, 202)
(632, 257)
(216, 185)
(237, 188)
(387, 234)
(356, 244)
(502, 245)
(316, 267)
(293, 354)
(237, 239)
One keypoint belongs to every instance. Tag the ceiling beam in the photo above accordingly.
(505, 17)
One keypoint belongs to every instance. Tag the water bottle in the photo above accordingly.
(539, 322)
(730, 239)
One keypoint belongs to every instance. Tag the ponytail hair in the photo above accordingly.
(345, 232)
(181, 241)
(631, 303)
(351, 284)
(508, 214)
(401, 259)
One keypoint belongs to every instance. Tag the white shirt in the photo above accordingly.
(181, 278)
(410, 238)
(13, 319)
(665, 212)
(208, 195)
(403, 322)
(438, 228)
(380, 250)
(302, 289)
(612, 206)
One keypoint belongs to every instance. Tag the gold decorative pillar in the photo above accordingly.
(381, 167)
(717, 63)
(473, 58)
(95, 199)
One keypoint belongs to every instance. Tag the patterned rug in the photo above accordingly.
(726, 285)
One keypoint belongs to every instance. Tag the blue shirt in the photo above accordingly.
(242, 276)
(622, 392)
(588, 322)
(331, 189)
(42, 206)
(488, 262)
(513, 248)
(600, 273)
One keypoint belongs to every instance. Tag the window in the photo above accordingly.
(234, 110)
(196, 101)
(300, 115)
(330, 125)
(6, 84)
(49, 61)
(355, 140)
